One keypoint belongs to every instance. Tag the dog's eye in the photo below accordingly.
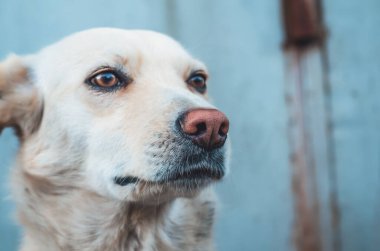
(107, 79)
(198, 82)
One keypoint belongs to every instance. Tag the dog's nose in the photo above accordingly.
(207, 128)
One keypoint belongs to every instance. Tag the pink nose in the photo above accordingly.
(207, 128)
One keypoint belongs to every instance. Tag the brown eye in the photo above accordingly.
(108, 80)
(198, 82)
(105, 79)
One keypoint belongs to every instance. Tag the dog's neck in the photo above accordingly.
(73, 219)
(67, 218)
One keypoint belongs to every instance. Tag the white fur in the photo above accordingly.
(75, 141)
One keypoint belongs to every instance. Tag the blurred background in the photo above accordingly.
(300, 82)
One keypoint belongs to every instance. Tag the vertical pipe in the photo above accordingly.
(310, 128)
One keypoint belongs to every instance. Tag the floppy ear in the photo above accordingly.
(20, 101)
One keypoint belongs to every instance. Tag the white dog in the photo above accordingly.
(117, 143)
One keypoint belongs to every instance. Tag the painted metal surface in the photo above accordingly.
(264, 91)
(354, 52)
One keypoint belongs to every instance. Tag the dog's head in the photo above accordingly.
(122, 113)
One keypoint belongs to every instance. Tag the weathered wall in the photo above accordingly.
(252, 81)
(354, 52)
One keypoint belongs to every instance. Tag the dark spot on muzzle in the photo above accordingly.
(123, 181)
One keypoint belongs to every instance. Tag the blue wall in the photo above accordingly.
(240, 41)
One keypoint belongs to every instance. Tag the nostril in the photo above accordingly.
(201, 128)
(223, 129)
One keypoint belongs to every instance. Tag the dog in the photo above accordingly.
(119, 144)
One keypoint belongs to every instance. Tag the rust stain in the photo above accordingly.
(334, 206)
(307, 235)
(304, 29)
(303, 24)
(335, 220)
(306, 232)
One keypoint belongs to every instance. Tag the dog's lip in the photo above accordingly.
(189, 175)
(198, 173)
(126, 180)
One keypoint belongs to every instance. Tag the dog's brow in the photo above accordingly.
(121, 59)
(200, 65)
(195, 67)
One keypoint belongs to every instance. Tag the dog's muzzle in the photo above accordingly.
(195, 154)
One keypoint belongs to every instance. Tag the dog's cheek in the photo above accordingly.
(108, 156)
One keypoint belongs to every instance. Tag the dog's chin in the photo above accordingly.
(161, 192)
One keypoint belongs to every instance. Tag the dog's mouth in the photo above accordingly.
(181, 165)
(193, 175)
(196, 174)
(124, 181)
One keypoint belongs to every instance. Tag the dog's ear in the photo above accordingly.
(20, 102)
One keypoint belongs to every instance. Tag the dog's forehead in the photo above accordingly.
(110, 43)
(77, 55)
